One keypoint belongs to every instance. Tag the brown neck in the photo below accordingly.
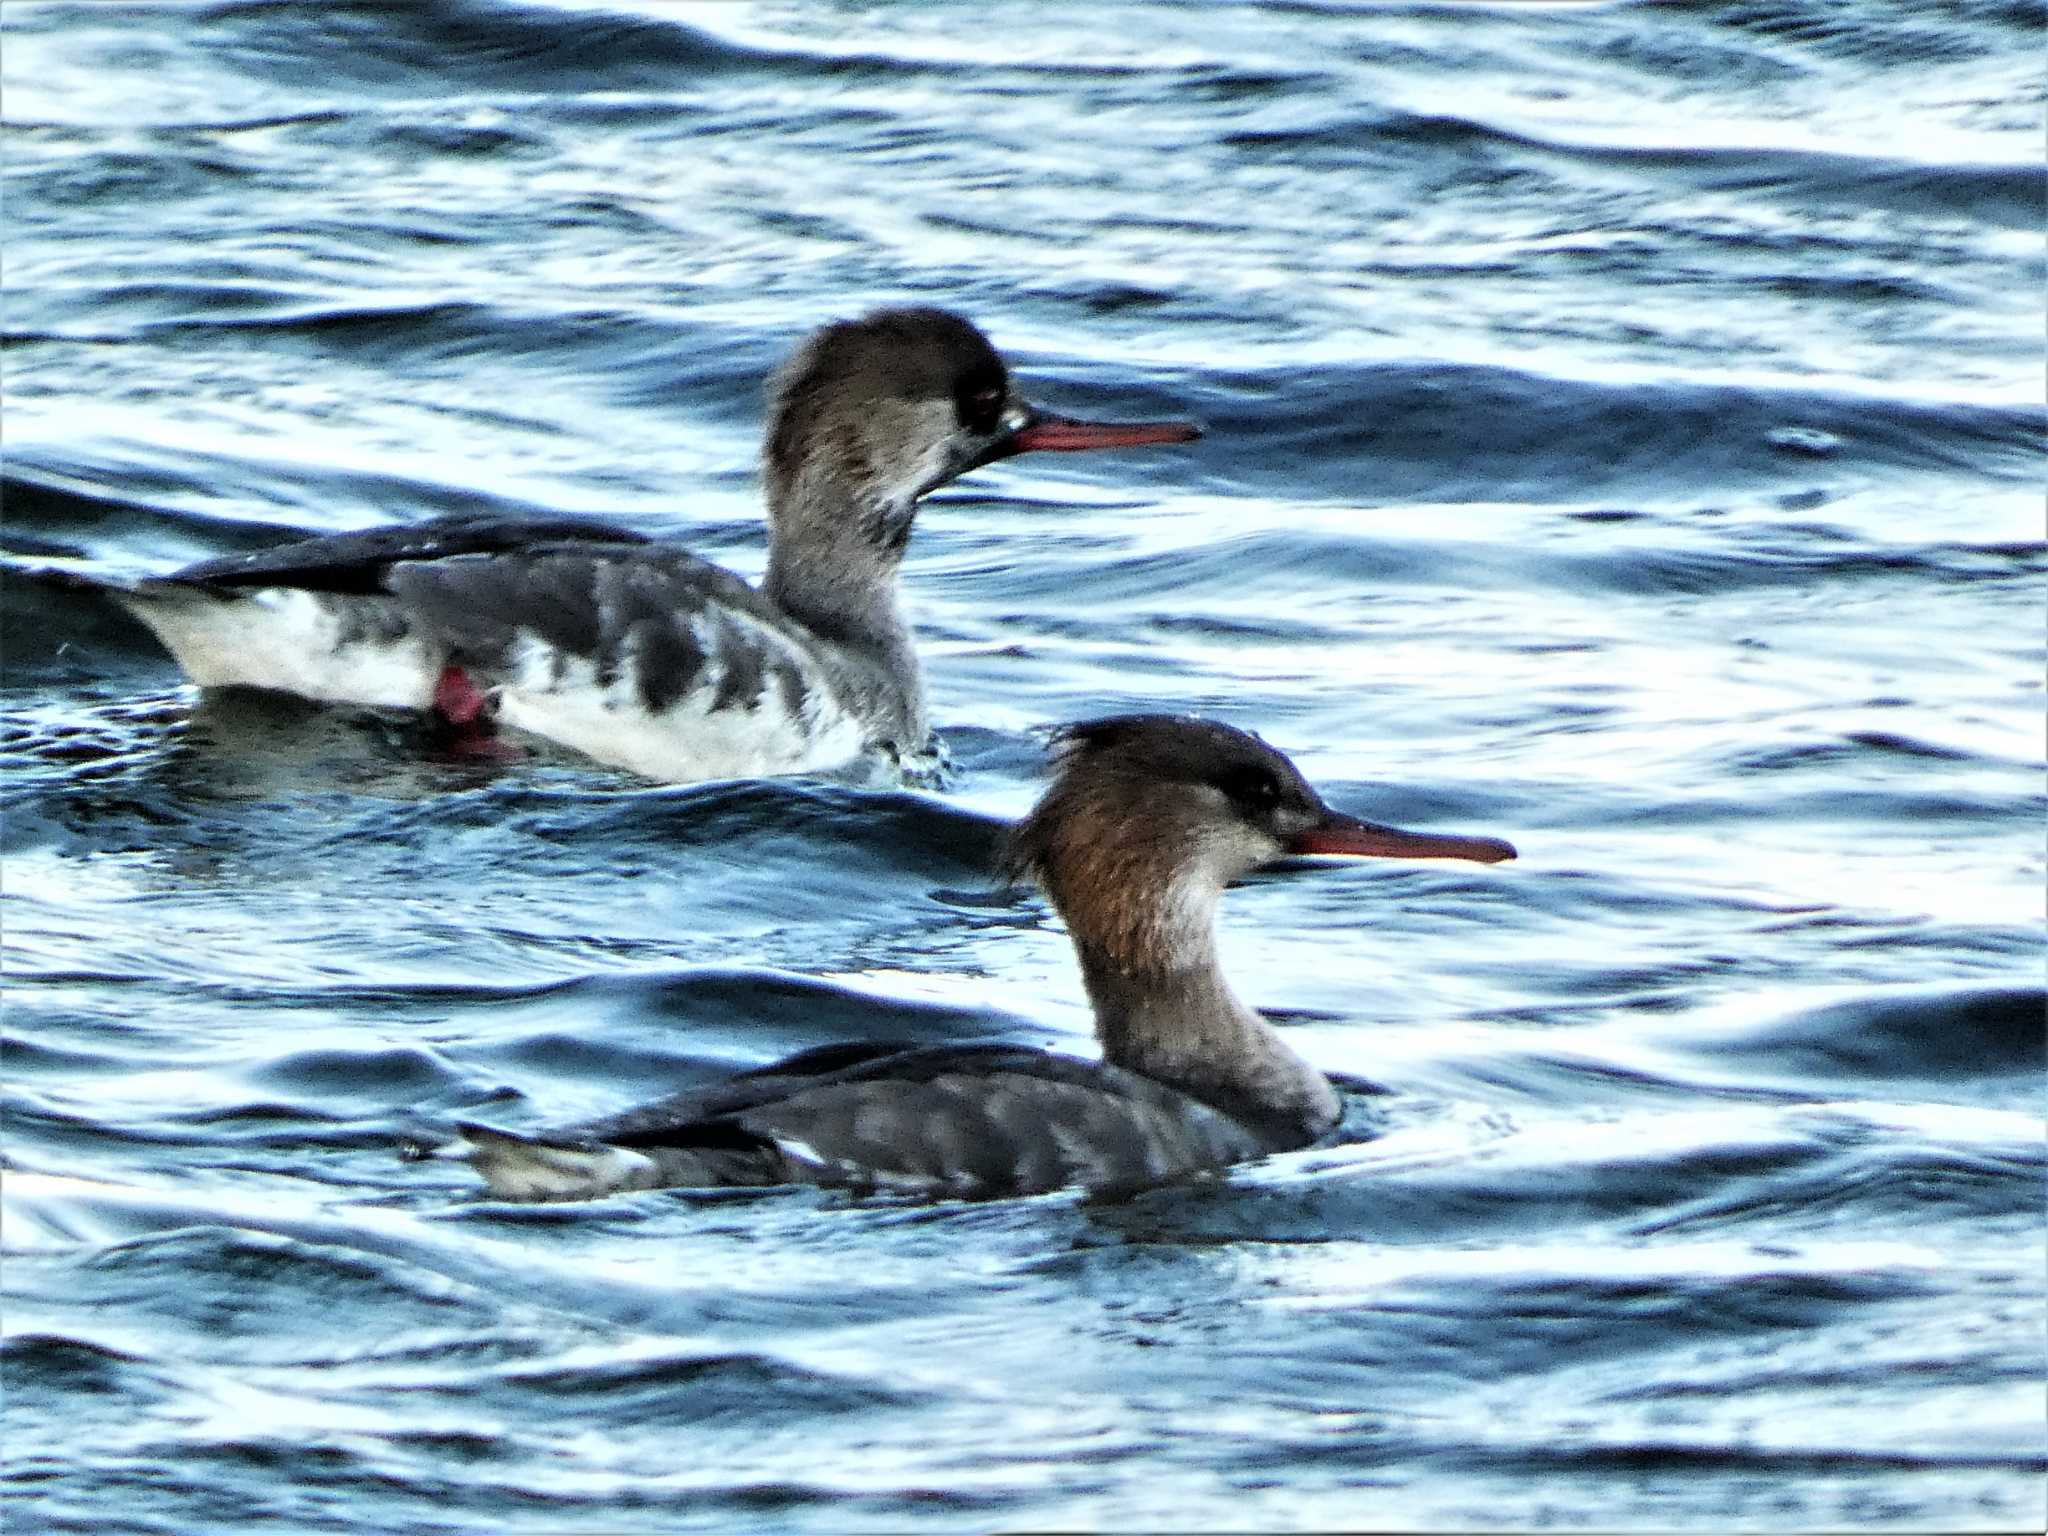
(1165, 1010)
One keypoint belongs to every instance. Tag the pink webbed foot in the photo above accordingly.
(465, 718)
(459, 701)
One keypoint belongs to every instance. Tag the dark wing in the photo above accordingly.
(969, 1119)
(357, 563)
(679, 1119)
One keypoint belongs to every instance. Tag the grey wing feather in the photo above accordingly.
(649, 1124)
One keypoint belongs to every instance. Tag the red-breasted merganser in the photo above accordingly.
(634, 652)
(1147, 820)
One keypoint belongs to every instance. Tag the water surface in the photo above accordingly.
(1624, 437)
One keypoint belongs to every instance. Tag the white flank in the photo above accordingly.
(558, 696)
(278, 637)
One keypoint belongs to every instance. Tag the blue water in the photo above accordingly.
(1624, 437)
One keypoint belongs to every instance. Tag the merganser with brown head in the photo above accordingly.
(637, 653)
(1149, 817)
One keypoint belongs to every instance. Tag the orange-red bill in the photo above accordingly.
(1365, 839)
(1064, 434)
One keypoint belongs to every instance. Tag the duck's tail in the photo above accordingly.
(517, 1167)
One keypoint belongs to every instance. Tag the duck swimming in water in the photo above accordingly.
(637, 653)
(1148, 818)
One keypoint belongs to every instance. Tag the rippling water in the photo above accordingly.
(1624, 437)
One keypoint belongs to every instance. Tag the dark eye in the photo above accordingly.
(1252, 788)
(979, 402)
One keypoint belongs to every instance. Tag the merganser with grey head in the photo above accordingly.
(1149, 817)
(635, 652)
